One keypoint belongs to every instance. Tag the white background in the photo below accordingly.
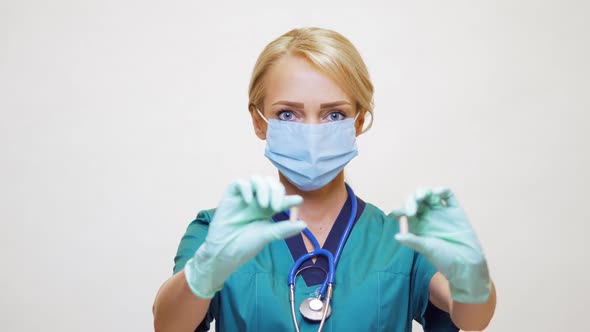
(121, 119)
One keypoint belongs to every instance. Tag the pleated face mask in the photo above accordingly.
(310, 155)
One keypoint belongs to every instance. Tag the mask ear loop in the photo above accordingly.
(263, 118)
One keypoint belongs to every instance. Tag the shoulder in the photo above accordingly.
(374, 215)
(204, 217)
(199, 224)
(193, 237)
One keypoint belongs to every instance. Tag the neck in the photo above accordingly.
(319, 206)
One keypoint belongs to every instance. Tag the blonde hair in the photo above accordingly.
(330, 52)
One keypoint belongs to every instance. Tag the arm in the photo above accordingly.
(467, 316)
(176, 308)
(239, 229)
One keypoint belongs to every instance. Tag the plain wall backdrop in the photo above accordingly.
(120, 120)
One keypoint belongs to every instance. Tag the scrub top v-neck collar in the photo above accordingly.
(315, 273)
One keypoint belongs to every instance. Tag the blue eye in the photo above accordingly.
(336, 116)
(286, 115)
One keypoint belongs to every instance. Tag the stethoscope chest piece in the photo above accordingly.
(313, 309)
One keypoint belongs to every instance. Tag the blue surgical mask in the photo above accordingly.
(310, 155)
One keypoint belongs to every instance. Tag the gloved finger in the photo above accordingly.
(420, 244)
(289, 201)
(283, 229)
(443, 196)
(277, 193)
(411, 206)
(261, 191)
(397, 213)
(450, 198)
(421, 193)
(424, 199)
(432, 200)
(441, 191)
(436, 199)
(244, 189)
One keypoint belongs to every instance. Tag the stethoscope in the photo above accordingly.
(318, 308)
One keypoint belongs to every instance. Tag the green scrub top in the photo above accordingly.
(379, 284)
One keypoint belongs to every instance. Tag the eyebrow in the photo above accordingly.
(300, 105)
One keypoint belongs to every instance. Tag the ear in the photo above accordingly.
(258, 123)
(360, 122)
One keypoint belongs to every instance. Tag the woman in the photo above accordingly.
(309, 95)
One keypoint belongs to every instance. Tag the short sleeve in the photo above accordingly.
(191, 240)
(422, 273)
(427, 314)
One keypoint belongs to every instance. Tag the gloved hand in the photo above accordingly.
(440, 231)
(240, 229)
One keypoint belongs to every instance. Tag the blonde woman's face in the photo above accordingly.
(297, 91)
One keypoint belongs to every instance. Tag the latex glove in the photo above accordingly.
(440, 231)
(240, 229)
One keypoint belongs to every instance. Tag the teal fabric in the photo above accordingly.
(380, 285)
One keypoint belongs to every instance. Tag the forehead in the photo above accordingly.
(297, 79)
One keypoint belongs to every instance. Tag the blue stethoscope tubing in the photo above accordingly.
(326, 289)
